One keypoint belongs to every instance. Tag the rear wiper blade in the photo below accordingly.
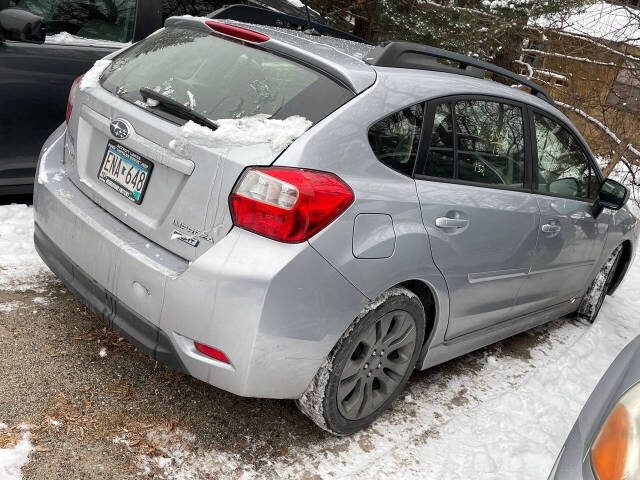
(176, 108)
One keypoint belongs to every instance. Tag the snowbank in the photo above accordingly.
(12, 459)
(243, 131)
(20, 266)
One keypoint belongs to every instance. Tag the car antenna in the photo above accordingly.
(310, 30)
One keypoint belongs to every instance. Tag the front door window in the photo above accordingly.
(563, 166)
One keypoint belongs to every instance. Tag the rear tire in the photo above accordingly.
(594, 298)
(370, 365)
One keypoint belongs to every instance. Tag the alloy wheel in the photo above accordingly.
(377, 364)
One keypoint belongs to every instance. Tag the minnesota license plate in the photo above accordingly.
(125, 171)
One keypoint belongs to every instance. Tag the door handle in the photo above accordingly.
(549, 228)
(446, 222)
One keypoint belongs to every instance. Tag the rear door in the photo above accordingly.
(571, 239)
(35, 79)
(473, 186)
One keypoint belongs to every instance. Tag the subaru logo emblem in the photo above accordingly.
(120, 129)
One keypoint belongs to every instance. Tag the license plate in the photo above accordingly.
(125, 171)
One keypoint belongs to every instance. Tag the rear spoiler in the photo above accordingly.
(352, 73)
(272, 18)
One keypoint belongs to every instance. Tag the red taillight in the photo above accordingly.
(288, 204)
(211, 352)
(237, 32)
(72, 97)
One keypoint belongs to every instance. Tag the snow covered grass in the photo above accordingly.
(13, 457)
(20, 266)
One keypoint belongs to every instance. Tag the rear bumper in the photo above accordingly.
(275, 310)
(141, 333)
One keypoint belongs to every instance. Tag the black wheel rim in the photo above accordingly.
(377, 365)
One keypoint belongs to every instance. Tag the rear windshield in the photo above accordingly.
(221, 78)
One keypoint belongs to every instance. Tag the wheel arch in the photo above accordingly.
(427, 296)
(623, 266)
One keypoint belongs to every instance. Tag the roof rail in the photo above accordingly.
(271, 18)
(422, 57)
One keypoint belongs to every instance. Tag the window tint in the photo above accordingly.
(96, 19)
(395, 139)
(220, 78)
(563, 167)
(489, 148)
(490, 143)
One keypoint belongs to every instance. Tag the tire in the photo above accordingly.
(369, 366)
(594, 298)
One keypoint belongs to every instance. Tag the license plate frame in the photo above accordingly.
(129, 165)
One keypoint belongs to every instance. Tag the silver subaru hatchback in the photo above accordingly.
(293, 216)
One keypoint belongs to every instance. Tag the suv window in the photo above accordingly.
(440, 161)
(197, 8)
(395, 139)
(482, 142)
(96, 19)
(220, 78)
(563, 166)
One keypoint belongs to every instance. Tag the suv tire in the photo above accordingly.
(594, 298)
(370, 365)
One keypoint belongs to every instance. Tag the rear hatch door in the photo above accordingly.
(163, 172)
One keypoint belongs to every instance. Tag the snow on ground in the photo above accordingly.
(13, 458)
(506, 419)
(20, 266)
(489, 416)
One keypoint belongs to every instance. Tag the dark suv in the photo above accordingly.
(36, 72)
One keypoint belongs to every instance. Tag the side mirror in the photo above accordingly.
(612, 195)
(21, 26)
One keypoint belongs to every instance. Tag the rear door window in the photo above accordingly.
(111, 20)
(477, 141)
(221, 78)
(440, 161)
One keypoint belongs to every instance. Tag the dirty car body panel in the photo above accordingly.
(277, 309)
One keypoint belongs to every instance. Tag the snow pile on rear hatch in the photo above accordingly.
(279, 134)
(91, 78)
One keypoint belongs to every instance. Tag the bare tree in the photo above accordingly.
(586, 53)
(590, 60)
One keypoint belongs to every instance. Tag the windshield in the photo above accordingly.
(219, 78)
(111, 20)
